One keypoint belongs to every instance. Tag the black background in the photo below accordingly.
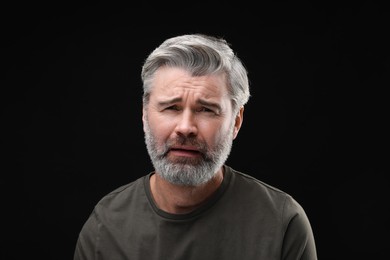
(71, 128)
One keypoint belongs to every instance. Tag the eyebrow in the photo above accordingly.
(199, 101)
(169, 101)
(209, 104)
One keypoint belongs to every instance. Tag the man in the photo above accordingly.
(193, 205)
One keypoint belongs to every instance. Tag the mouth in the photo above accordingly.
(185, 152)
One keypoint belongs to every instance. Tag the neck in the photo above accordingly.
(177, 199)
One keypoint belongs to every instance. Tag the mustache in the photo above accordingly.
(182, 140)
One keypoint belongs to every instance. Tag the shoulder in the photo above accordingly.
(122, 196)
(247, 181)
(262, 195)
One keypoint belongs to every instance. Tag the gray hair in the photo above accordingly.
(200, 55)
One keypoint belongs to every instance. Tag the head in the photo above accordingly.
(194, 92)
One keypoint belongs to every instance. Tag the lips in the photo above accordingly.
(184, 151)
(185, 148)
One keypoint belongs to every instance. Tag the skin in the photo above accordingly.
(182, 105)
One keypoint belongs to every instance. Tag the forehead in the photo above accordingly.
(175, 81)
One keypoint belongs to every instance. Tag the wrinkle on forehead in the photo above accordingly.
(176, 81)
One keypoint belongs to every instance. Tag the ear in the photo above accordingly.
(144, 117)
(238, 122)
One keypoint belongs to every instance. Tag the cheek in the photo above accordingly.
(227, 131)
(160, 129)
(214, 133)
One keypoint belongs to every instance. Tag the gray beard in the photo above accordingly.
(188, 172)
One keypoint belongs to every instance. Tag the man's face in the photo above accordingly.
(189, 126)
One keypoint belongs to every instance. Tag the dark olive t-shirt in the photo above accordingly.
(245, 219)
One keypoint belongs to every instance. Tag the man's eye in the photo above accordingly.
(205, 109)
(175, 108)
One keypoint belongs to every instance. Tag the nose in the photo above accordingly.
(186, 124)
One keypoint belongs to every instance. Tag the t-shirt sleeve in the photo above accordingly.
(88, 239)
(298, 242)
